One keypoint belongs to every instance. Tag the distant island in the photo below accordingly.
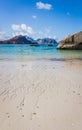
(28, 40)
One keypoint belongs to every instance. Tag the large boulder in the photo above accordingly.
(73, 42)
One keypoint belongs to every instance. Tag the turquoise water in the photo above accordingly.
(26, 52)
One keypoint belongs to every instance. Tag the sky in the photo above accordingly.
(39, 19)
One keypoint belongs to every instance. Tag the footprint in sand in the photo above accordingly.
(22, 115)
(74, 92)
(8, 115)
(34, 113)
(78, 94)
(37, 106)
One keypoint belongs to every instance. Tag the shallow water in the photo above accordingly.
(26, 52)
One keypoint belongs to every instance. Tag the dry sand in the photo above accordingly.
(41, 95)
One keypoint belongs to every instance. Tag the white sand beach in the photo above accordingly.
(41, 95)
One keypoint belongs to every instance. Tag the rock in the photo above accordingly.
(73, 42)
(34, 44)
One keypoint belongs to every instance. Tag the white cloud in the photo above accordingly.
(55, 37)
(34, 16)
(30, 30)
(15, 27)
(19, 33)
(22, 28)
(2, 35)
(41, 5)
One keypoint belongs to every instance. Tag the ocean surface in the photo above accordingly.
(27, 52)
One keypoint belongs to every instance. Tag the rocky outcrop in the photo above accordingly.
(73, 42)
(46, 41)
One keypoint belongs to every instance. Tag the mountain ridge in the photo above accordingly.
(19, 39)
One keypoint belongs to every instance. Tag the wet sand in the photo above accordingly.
(41, 95)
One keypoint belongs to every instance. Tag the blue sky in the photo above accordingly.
(45, 18)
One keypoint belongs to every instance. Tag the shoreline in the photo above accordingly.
(39, 59)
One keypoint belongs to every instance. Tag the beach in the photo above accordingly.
(40, 65)
(41, 95)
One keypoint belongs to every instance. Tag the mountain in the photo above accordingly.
(19, 40)
(73, 42)
(31, 39)
(28, 40)
(47, 41)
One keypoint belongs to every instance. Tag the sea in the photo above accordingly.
(24, 52)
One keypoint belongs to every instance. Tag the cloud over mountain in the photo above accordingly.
(22, 27)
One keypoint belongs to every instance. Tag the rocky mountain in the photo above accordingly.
(73, 42)
(19, 40)
(28, 40)
(47, 41)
